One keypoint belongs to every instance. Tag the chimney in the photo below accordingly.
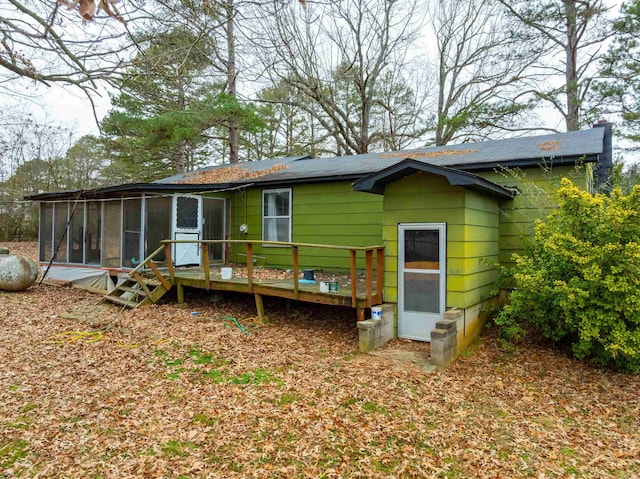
(602, 173)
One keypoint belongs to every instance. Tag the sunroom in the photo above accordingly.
(89, 237)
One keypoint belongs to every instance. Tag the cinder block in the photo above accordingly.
(437, 348)
(388, 322)
(366, 346)
(439, 334)
(447, 324)
(443, 346)
(388, 311)
(368, 324)
(373, 334)
(454, 314)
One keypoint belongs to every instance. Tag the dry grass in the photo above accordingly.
(159, 392)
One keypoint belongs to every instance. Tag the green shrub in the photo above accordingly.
(580, 281)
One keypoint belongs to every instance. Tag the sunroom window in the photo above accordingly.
(61, 216)
(276, 215)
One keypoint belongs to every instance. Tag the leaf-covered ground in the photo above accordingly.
(89, 391)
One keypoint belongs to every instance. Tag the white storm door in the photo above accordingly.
(187, 226)
(421, 278)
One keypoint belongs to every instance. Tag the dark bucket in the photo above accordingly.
(308, 275)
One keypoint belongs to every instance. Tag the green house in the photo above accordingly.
(445, 216)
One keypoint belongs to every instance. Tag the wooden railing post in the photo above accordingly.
(379, 274)
(369, 276)
(205, 263)
(167, 255)
(296, 267)
(250, 265)
(354, 277)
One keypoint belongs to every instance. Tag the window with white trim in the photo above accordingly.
(276, 215)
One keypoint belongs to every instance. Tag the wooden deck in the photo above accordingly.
(150, 280)
(279, 286)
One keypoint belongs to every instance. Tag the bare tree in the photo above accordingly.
(335, 55)
(44, 41)
(573, 32)
(482, 71)
(31, 155)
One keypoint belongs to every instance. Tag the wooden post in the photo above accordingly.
(180, 291)
(260, 309)
(250, 266)
(369, 276)
(354, 278)
(167, 255)
(379, 275)
(296, 268)
(205, 263)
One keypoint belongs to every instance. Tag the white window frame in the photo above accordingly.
(265, 217)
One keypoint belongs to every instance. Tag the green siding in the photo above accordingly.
(472, 234)
(535, 201)
(329, 213)
(480, 230)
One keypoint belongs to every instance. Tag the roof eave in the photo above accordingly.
(528, 162)
(376, 182)
(126, 188)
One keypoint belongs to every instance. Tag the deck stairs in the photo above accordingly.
(137, 290)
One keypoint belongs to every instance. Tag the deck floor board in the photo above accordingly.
(272, 283)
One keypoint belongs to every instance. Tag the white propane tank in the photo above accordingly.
(17, 272)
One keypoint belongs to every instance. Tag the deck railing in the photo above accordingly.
(352, 251)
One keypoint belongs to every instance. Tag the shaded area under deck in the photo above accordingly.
(280, 287)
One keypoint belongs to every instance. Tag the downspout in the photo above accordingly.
(602, 173)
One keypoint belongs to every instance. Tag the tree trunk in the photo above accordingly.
(231, 80)
(572, 116)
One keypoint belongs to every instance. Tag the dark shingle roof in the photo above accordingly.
(250, 166)
(560, 148)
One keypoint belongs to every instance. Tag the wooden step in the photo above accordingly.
(148, 293)
(141, 292)
(120, 300)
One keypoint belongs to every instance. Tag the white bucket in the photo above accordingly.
(324, 286)
(376, 312)
(226, 273)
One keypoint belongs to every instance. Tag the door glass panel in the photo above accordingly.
(421, 249)
(187, 212)
(422, 292)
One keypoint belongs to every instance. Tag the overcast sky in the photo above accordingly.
(68, 107)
